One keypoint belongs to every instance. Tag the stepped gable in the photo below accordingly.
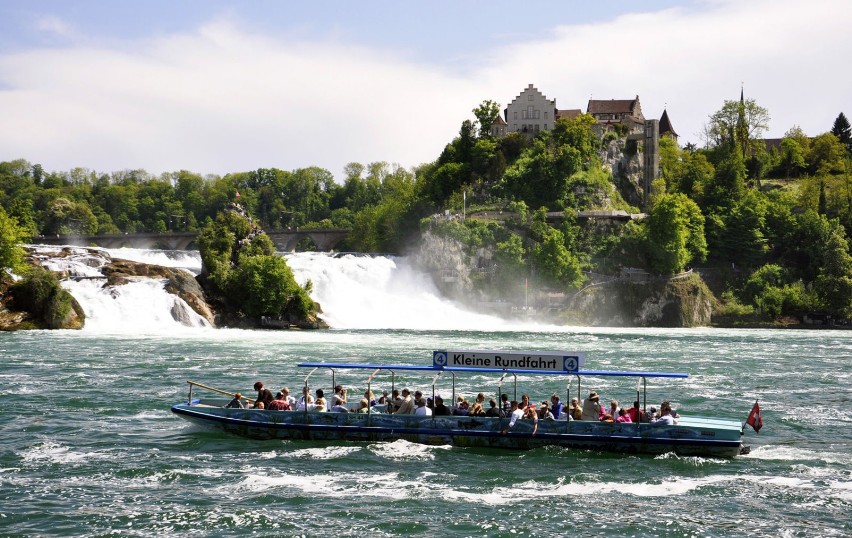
(530, 87)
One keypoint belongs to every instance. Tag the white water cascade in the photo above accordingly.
(364, 292)
(141, 306)
(355, 292)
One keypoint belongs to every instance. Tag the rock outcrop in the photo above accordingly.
(682, 302)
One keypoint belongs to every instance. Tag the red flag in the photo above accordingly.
(755, 418)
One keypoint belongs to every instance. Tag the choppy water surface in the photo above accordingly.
(90, 447)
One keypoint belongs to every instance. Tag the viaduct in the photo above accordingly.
(325, 239)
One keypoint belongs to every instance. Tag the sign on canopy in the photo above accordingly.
(545, 361)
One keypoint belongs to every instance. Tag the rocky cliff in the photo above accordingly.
(682, 302)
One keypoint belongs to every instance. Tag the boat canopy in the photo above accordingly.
(603, 373)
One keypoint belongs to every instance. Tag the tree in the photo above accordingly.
(834, 284)
(11, 237)
(264, 286)
(842, 130)
(826, 155)
(486, 113)
(738, 124)
(555, 263)
(675, 233)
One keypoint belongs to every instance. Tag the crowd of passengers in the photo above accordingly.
(405, 403)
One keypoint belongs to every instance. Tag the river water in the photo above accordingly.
(90, 448)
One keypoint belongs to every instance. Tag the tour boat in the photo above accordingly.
(691, 435)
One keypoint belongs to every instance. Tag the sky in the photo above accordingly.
(215, 86)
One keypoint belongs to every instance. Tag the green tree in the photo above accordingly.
(675, 233)
(842, 130)
(11, 237)
(263, 285)
(826, 155)
(486, 113)
(738, 124)
(834, 284)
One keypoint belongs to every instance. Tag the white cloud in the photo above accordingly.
(221, 99)
(54, 26)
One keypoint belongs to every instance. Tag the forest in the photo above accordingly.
(768, 220)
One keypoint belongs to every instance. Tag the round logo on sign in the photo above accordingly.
(569, 363)
(440, 358)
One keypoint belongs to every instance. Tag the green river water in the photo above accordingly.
(90, 448)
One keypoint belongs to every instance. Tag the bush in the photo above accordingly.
(41, 294)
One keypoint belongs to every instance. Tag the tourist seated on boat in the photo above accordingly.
(476, 410)
(575, 412)
(371, 398)
(394, 401)
(505, 406)
(665, 418)
(607, 418)
(406, 406)
(516, 414)
(237, 402)
(531, 414)
(263, 394)
(493, 410)
(364, 406)
(290, 400)
(623, 416)
(544, 412)
(320, 403)
(338, 400)
(555, 406)
(279, 403)
(613, 409)
(421, 409)
(525, 402)
(383, 399)
(592, 407)
(260, 405)
(440, 408)
(305, 401)
(462, 409)
(635, 413)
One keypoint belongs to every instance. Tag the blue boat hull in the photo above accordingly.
(694, 436)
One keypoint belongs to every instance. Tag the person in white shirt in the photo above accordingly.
(517, 413)
(666, 418)
(422, 410)
(305, 401)
(614, 409)
(290, 400)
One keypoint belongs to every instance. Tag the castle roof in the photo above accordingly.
(666, 124)
(613, 106)
(570, 113)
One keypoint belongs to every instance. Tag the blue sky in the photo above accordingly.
(215, 87)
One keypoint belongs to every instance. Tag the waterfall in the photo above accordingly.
(367, 292)
(142, 306)
(355, 292)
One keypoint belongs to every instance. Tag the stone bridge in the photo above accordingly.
(324, 239)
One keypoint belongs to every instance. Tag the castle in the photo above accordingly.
(531, 112)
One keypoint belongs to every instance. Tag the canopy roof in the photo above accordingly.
(605, 373)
